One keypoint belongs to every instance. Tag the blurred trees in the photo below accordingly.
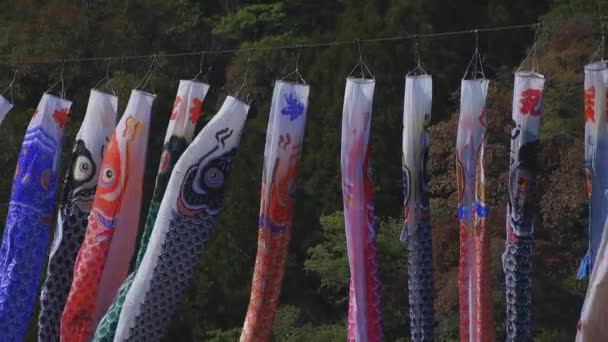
(314, 295)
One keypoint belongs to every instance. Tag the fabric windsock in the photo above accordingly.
(364, 316)
(474, 281)
(183, 119)
(281, 155)
(417, 228)
(103, 260)
(184, 223)
(5, 107)
(596, 159)
(592, 325)
(517, 258)
(78, 191)
(30, 212)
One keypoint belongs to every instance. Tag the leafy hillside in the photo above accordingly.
(314, 296)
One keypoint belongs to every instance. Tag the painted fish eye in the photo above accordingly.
(213, 178)
(107, 176)
(83, 169)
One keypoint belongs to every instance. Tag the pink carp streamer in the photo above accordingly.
(474, 282)
(592, 325)
(103, 259)
(364, 315)
(281, 154)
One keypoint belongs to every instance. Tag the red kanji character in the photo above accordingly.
(61, 116)
(530, 102)
(178, 100)
(590, 104)
(195, 111)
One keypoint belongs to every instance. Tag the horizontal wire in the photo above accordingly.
(270, 48)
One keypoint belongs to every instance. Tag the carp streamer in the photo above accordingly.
(474, 282)
(184, 116)
(78, 192)
(364, 316)
(30, 212)
(184, 223)
(416, 232)
(517, 258)
(281, 154)
(103, 260)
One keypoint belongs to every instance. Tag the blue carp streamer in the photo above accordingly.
(30, 211)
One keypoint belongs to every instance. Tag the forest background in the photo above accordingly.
(314, 296)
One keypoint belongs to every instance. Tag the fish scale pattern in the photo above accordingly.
(517, 262)
(182, 244)
(173, 149)
(179, 257)
(26, 234)
(420, 284)
(28, 242)
(59, 273)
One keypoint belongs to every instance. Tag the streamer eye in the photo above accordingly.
(213, 178)
(83, 169)
(108, 177)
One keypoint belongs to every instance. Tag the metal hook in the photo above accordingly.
(532, 53)
(107, 77)
(297, 70)
(147, 74)
(236, 94)
(416, 52)
(60, 81)
(476, 61)
(476, 32)
(200, 66)
(298, 57)
(603, 29)
(417, 70)
(361, 63)
(10, 85)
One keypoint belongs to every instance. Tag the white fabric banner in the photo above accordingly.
(5, 107)
(136, 118)
(184, 222)
(416, 117)
(364, 317)
(284, 135)
(592, 325)
(186, 109)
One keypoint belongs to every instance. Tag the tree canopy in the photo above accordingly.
(314, 295)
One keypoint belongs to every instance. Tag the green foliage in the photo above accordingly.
(314, 298)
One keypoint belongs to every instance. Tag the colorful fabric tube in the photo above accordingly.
(592, 325)
(183, 225)
(281, 155)
(417, 229)
(30, 212)
(364, 315)
(184, 116)
(596, 159)
(103, 259)
(474, 282)
(5, 107)
(78, 192)
(517, 258)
